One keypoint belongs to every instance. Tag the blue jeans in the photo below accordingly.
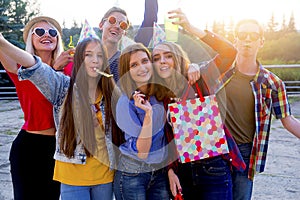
(94, 192)
(208, 179)
(135, 181)
(242, 186)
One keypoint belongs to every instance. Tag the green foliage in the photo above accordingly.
(293, 99)
(284, 50)
(272, 24)
(4, 6)
(282, 44)
(13, 15)
(286, 73)
(74, 32)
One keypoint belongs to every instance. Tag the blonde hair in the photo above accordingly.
(59, 46)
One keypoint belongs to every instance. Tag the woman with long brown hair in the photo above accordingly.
(141, 172)
(83, 115)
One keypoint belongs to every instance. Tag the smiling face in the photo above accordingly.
(45, 42)
(112, 32)
(163, 60)
(93, 59)
(140, 68)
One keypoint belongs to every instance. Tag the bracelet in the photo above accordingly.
(196, 66)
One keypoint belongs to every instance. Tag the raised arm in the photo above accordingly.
(12, 55)
(144, 140)
(145, 31)
(9, 64)
(50, 83)
(226, 52)
(211, 69)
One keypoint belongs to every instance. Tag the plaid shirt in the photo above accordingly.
(270, 98)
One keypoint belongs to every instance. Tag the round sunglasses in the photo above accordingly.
(253, 36)
(38, 31)
(113, 21)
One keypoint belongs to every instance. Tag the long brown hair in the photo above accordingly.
(127, 84)
(177, 85)
(76, 114)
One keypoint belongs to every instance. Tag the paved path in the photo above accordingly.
(281, 179)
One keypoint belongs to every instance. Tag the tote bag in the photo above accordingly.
(198, 128)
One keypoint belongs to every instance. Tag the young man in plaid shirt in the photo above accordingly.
(253, 94)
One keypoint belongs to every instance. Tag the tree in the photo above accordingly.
(283, 30)
(271, 32)
(291, 26)
(14, 14)
(4, 6)
(283, 25)
(218, 27)
(272, 25)
(74, 31)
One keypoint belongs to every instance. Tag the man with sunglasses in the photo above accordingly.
(253, 94)
(114, 24)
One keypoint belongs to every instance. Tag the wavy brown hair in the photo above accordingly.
(127, 84)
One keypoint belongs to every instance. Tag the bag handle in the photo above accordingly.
(202, 99)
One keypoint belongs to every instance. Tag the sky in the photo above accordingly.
(199, 12)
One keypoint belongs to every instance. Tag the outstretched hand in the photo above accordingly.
(185, 24)
(182, 19)
(10, 52)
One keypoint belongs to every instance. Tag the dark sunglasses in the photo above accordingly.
(41, 31)
(253, 36)
(113, 21)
